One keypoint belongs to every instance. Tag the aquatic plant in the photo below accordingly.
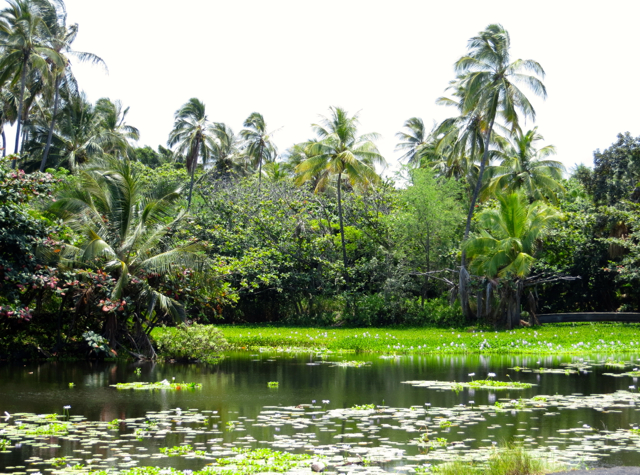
(159, 385)
(363, 407)
(180, 450)
(273, 384)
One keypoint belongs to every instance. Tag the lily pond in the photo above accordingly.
(350, 413)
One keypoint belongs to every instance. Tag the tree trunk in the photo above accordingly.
(194, 164)
(4, 143)
(260, 167)
(23, 82)
(464, 302)
(344, 246)
(53, 122)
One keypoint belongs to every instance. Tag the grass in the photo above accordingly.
(505, 461)
(564, 338)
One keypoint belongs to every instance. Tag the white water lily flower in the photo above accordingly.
(491, 375)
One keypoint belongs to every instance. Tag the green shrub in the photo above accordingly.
(191, 342)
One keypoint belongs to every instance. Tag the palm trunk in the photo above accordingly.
(464, 301)
(194, 164)
(344, 246)
(53, 122)
(23, 82)
(260, 167)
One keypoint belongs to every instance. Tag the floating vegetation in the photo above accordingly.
(273, 384)
(364, 407)
(476, 384)
(159, 385)
(175, 451)
(350, 364)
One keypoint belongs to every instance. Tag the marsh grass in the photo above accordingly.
(510, 460)
(580, 338)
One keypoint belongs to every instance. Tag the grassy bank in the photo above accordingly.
(554, 339)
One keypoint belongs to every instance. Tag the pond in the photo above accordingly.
(374, 414)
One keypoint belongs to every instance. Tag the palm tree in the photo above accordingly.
(84, 132)
(525, 167)
(61, 40)
(113, 122)
(506, 244)
(489, 80)
(193, 136)
(125, 227)
(226, 149)
(340, 151)
(25, 39)
(259, 146)
(412, 142)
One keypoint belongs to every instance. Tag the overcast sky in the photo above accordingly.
(291, 60)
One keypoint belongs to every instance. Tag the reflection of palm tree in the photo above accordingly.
(524, 167)
(124, 228)
(340, 151)
(260, 148)
(24, 35)
(193, 135)
(507, 242)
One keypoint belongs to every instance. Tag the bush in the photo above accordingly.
(191, 343)
(377, 311)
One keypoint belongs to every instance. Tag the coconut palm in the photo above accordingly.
(113, 118)
(490, 83)
(82, 133)
(412, 142)
(193, 136)
(525, 167)
(124, 228)
(225, 150)
(339, 151)
(25, 39)
(259, 145)
(62, 37)
(506, 244)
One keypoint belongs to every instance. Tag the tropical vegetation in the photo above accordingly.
(103, 240)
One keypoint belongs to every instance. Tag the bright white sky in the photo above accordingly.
(292, 59)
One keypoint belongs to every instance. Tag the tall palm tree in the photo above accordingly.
(193, 136)
(62, 37)
(260, 147)
(124, 226)
(525, 167)
(340, 151)
(490, 82)
(506, 244)
(25, 39)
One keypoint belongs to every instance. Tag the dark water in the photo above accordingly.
(237, 388)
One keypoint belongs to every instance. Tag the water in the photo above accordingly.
(236, 394)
